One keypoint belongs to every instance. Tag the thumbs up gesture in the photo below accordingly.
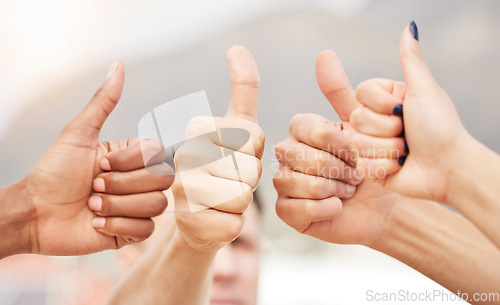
(210, 199)
(419, 163)
(52, 204)
(435, 158)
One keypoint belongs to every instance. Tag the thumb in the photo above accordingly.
(92, 117)
(415, 71)
(335, 85)
(245, 83)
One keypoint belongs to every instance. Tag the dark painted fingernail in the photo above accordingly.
(414, 30)
(398, 110)
(406, 147)
(401, 160)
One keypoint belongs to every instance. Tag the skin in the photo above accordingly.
(235, 269)
(206, 255)
(47, 211)
(424, 235)
(446, 163)
(170, 270)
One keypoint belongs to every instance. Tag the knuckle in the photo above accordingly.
(253, 174)
(356, 141)
(279, 151)
(260, 141)
(309, 210)
(300, 118)
(247, 198)
(279, 179)
(295, 120)
(185, 154)
(316, 187)
(284, 151)
(319, 135)
(257, 137)
(379, 105)
(198, 125)
(165, 181)
(281, 208)
(151, 147)
(358, 117)
(366, 87)
(234, 228)
(243, 201)
(256, 130)
(396, 126)
(258, 172)
(322, 165)
(362, 87)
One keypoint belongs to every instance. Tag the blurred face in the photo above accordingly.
(236, 266)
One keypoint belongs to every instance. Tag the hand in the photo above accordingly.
(317, 193)
(210, 199)
(434, 134)
(127, 195)
(76, 169)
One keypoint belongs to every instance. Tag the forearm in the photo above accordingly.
(474, 188)
(442, 245)
(171, 272)
(16, 220)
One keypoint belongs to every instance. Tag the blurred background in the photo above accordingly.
(55, 54)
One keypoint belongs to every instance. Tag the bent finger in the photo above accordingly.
(298, 185)
(376, 169)
(142, 205)
(318, 132)
(134, 156)
(137, 181)
(381, 95)
(371, 123)
(301, 213)
(133, 230)
(374, 147)
(316, 162)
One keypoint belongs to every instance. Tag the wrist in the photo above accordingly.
(402, 228)
(17, 221)
(386, 236)
(469, 176)
(180, 244)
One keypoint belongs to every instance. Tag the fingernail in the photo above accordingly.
(99, 222)
(95, 203)
(401, 160)
(112, 70)
(105, 165)
(414, 30)
(406, 147)
(99, 185)
(398, 110)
